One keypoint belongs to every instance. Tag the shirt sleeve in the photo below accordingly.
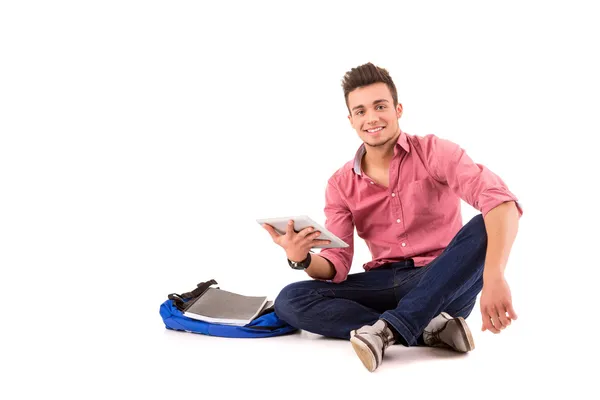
(473, 182)
(339, 222)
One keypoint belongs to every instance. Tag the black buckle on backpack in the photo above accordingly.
(180, 299)
(177, 300)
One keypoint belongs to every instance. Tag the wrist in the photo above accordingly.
(301, 264)
(492, 276)
(297, 257)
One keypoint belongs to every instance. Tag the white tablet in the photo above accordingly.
(301, 222)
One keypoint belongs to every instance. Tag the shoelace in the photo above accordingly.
(434, 336)
(385, 339)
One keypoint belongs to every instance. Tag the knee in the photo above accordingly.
(286, 301)
(477, 232)
(282, 302)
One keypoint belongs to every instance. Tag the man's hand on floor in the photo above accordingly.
(497, 311)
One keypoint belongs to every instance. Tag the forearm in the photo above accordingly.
(501, 225)
(320, 268)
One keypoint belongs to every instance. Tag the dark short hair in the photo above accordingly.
(364, 75)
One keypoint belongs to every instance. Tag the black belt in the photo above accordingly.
(398, 264)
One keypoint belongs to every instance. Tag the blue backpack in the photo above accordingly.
(266, 324)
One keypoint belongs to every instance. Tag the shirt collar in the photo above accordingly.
(402, 143)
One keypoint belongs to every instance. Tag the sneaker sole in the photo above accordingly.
(364, 352)
(465, 333)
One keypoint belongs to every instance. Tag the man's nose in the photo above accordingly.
(372, 117)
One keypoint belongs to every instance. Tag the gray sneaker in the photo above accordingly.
(446, 331)
(370, 342)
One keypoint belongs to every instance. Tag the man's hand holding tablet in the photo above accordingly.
(296, 245)
(297, 235)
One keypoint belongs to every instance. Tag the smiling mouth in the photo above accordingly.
(375, 130)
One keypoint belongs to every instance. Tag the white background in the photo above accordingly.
(140, 141)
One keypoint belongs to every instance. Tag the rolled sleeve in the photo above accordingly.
(493, 198)
(339, 222)
(474, 183)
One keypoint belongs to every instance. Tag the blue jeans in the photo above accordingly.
(405, 296)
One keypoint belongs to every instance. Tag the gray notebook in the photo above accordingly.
(223, 307)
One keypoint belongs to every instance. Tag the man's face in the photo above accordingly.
(373, 115)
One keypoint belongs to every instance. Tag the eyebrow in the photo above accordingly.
(375, 102)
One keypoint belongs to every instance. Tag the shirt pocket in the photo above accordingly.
(422, 197)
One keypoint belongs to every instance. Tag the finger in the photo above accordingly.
(487, 323)
(483, 319)
(306, 231)
(314, 235)
(511, 311)
(321, 242)
(271, 230)
(310, 239)
(504, 320)
(290, 228)
(496, 323)
(493, 317)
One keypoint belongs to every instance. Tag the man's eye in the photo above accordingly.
(381, 106)
(358, 112)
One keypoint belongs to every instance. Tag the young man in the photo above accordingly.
(402, 194)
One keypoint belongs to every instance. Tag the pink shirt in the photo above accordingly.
(418, 214)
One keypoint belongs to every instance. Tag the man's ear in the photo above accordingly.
(350, 119)
(399, 110)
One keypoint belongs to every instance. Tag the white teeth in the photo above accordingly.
(374, 130)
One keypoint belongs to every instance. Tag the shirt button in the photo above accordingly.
(393, 194)
(403, 244)
(398, 220)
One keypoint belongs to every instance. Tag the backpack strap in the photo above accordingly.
(180, 299)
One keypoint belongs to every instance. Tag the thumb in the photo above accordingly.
(269, 228)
